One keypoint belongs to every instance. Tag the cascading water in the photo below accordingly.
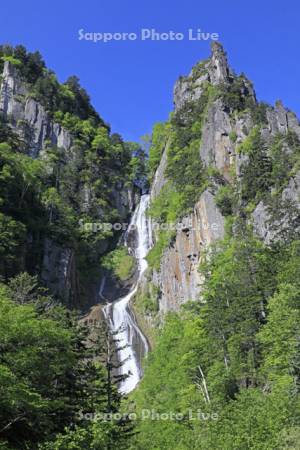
(118, 313)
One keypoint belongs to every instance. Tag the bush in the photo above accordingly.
(233, 136)
(236, 96)
(156, 253)
(166, 207)
(120, 263)
(259, 113)
(159, 139)
(150, 304)
(225, 200)
(11, 60)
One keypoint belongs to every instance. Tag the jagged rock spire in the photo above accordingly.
(218, 68)
(214, 70)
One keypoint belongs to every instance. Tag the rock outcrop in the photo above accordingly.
(178, 278)
(38, 132)
(214, 71)
(28, 117)
(268, 227)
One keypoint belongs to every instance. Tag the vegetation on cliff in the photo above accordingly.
(53, 196)
(224, 373)
(234, 356)
(50, 376)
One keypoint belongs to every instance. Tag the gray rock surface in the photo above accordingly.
(31, 122)
(159, 178)
(280, 120)
(179, 279)
(59, 272)
(265, 226)
(28, 117)
(215, 71)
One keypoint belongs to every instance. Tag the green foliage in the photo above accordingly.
(185, 172)
(30, 395)
(11, 60)
(186, 176)
(259, 113)
(268, 166)
(167, 206)
(285, 154)
(20, 185)
(236, 95)
(252, 143)
(138, 165)
(166, 375)
(280, 336)
(155, 254)
(233, 136)
(184, 166)
(120, 263)
(158, 144)
(257, 172)
(8, 136)
(43, 197)
(230, 355)
(225, 199)
(146, 309)
(48, 377)
(12, 235)
(199, 70)
(239, 282)
(149, 304)
(68, 97)
(25, 289)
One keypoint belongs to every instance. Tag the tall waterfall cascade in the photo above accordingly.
(133, 343)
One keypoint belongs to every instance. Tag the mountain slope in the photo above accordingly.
(224, 286)
(63, 174)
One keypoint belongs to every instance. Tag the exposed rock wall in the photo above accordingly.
(178, 278)
(270, 229)
(28, 117)
(37, 130)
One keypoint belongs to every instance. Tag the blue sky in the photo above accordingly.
(131, 82)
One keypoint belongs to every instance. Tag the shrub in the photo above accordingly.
(120, 263)
(257, 172)
(233, 136)
(156, 253)
(236, 96)
(166, 207)
(12, 60)
(159, 139)
(225, 200)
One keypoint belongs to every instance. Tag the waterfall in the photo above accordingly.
(118, 313)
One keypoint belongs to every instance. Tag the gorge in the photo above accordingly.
(206, 314)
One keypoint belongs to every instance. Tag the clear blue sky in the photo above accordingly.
(131, 83)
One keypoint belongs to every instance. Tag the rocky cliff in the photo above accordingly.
(28, 117)
(229, 119)
(38, 134)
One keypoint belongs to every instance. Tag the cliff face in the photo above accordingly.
(178, 278)
(223, 131)
(38, 132)
(27, 117)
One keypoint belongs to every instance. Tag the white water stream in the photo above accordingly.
(118, 313)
